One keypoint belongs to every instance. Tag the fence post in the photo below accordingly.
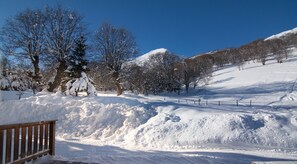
(236, 102)
(16, 143)
(206, 102)
(8, 145)
(52, 138)
(1, 143)
(219, 103)
(250, 103)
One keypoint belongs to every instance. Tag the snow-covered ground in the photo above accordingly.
(173, 128)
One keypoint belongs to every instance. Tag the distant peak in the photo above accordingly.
(159, 50)
(145, 57)
(282, 34)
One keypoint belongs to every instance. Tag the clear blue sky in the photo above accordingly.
(186, 27)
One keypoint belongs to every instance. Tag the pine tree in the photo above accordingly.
(76, 79)
(77, 62)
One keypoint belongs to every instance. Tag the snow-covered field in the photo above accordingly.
(174, 128)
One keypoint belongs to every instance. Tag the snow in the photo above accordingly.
(172, 128)
(81, 84)
(282, 34)
(145, 57)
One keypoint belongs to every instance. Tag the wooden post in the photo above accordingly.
(23, 144)
(29, 151)
(52, 138)
(8, 146)
(1, 145)
(35, 139)
(40, 139)
(219, 103)
(236, 102)
(46, 137)
(16, 143)
(250, 103)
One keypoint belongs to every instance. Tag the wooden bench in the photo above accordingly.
(26, 141)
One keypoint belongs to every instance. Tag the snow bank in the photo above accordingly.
(196, 129)
(77, 117)
(137, 122)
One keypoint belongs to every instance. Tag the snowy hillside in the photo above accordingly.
(145, 57)
(174, 128)
(282, 34)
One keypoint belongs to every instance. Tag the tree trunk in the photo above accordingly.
(58, 78)
(115, 77)
(119, 88)
(36, 76)
(187, 87)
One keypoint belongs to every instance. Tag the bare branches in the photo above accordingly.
(115, 46)
(23, 36)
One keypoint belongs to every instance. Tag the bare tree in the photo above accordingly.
(23, 36)
(187, 71)
(115, 46)
(99, 74)
(160, 72)
(279, 49)
(237, 57)
(261, 50)
(204, 69)
(62, 29)
(134, 78)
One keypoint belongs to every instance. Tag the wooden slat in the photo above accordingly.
(35, 139)
(40, 138)
(16, 143)
(23, 143)
(52, 138)
(29, 151)
(46, 136)
(1, 145)
(8, 145)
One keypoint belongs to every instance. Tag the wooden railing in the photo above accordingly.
(27, 141)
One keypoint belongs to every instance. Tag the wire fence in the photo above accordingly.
(239, 103)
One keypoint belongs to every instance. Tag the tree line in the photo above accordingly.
(257, 51)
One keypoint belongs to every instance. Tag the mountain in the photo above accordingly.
(283, 34)
(289, 38)
(141, 60)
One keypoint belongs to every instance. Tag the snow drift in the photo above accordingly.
(134, 121)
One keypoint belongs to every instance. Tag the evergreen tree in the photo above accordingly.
(76, 79)
(77, 62)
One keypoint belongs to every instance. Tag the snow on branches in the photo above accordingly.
(82, 84)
